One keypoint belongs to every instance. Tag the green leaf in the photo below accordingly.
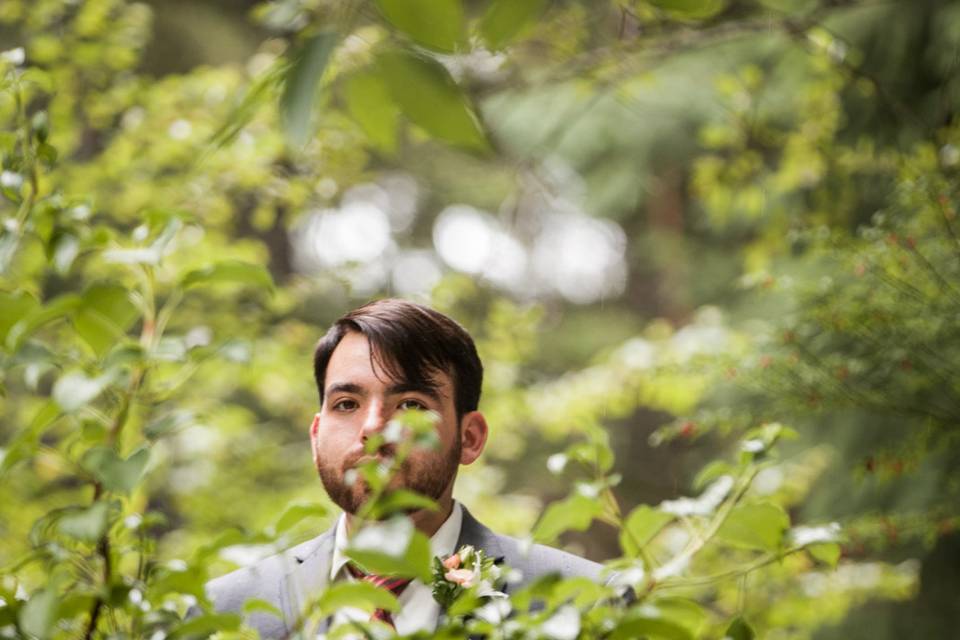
(104, 316)
(430, 98)
(24, 444)
(206, 624)
(690, 9)
(755, 526)
(401, 500)
(360, 595)
(435, 24)
(650, 628)
(640, 527)
(15, 307)
(370, 104)
(506, 18)
(114, 472)
(301, 83)
(392, 547)
(74, 390)
(827, 553)
(739, 630)
(711, 472)
(298, 512)
(37, 317)
(161, 426)
(683, 612)
(230, 271)
(261, 91)
(256, 605)
(38, 615)
(575, 513)
(87, 525)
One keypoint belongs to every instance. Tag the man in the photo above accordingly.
(383, 358)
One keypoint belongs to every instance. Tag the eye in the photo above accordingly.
(411, 404)
(345, 404)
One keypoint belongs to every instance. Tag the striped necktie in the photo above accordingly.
(392, 584)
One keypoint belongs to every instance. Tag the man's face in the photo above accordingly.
(359, 400)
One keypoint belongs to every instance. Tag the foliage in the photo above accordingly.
(155, 331)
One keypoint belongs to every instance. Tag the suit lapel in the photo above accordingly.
(308, 577)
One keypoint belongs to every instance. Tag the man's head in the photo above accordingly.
(382, 358)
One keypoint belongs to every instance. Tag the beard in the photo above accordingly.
(428, 473)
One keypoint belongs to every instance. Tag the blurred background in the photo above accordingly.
(664, 221)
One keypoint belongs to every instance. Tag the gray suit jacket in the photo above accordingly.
(289, 580)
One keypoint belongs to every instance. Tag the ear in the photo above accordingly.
(473, 436)
(314, 439)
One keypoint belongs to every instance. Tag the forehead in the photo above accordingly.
(352, 361)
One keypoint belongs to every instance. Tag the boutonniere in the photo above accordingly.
(468, 569)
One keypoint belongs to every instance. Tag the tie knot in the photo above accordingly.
(393, 584)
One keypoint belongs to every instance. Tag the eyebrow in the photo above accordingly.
(395, 389)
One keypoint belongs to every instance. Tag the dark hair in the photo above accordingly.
(411, 343)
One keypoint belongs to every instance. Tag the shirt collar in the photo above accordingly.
(442, 542)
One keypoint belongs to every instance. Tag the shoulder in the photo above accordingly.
(263, 579)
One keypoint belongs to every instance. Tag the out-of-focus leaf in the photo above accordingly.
(827, 553)
(37, 317)
(640, 527)
(402, 500)
(74, 390)
(369, 102)
(256, 605)
(15, 307)
(66, 247)
(114, 472)
(104, 315)
(24, 443)
(360, 595)
(38, 615)
(686, 613)
(300, 86)
(230, 271)
(298, 512)
(167, 423)
(260, 92)
(435, 24)
(651, 628)
(739, 630)
(711, 472)
(691, 9)
(755, 526)
(87, 524)
(430, 98)
(574, 513)
(393, 547)
(204, 625)
(504, 19)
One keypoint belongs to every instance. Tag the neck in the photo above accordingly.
(426, 521)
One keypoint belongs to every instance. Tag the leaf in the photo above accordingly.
(161, 426)
(74, 390)
(104, 315)
(392, 547)
(86, 525)
(230, 271)
(755, 526)
(206, 624)
(739, 630)
(257, 605)
(298, 512)
(690, 9)
(300, 85)
(430, 98)
(402, 500)
(683, 612)
(38, 615)
(360, 595)
(506, 18)
(435, 24)
(114, 472)
(827, 553)
(261, 91)
(37, 317)
(369, 103)
(651, 628)
(24, 443)
(15, 307)
(575, 513)
(640, 527)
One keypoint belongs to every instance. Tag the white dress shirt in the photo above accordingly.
(418, 610)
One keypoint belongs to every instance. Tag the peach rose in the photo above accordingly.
(453, 562)
(462, 577)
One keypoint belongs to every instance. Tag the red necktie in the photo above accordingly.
(392, 584)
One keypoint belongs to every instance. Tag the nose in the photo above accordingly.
(375, 419)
